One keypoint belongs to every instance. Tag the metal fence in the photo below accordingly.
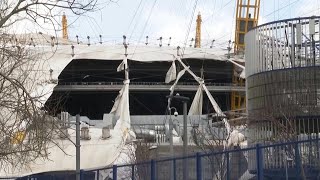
(295, 159)
(289, 160)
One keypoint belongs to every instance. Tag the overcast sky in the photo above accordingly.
(171, 18)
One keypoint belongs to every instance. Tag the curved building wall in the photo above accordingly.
(283, 89)
(283, 79)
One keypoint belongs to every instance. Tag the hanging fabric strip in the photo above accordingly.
(196, 106)
(117, 101)
(172, 73)
(180, 74)
(124, 64)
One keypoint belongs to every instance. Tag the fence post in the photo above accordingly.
(132, 171)
(81, 174)
(174, 170)
(153, 170)
(259, 159)
(297, 159)
(228, 166)
(114, 172)
(199, 168)
(317, 145)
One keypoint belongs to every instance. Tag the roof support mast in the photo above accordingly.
(247, 14)
(198, 32)
(64, 26)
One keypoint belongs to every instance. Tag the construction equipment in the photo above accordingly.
(247, 14)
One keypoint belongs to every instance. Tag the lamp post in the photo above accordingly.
(184, 100)
(171, 138)
(77, 143)
(171, 129)
(77, 147)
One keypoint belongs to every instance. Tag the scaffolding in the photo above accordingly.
(247, 14)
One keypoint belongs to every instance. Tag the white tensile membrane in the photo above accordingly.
(233, 137)
(180, 74)
(123, 65)
(95, 153)
(172, 73)
(121, 110)
(196, 106)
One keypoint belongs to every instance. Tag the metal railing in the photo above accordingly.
(297, 159)
(144, 86)
(283, 44)
(289, 160)
(144, 83)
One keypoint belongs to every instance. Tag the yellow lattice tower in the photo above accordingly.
(64, 27)
(198, 32)
(247, 14)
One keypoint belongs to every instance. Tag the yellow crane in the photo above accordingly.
(64, 26)
(198, 32)
(247, 14)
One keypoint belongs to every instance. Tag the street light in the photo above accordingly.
(77, 147)
(171, 136)
(185, 101)
(171, 128)
(77, 144)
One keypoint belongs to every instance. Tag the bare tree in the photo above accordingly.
(26, 130)
(210, 140)
(277, 125)
(44, 10)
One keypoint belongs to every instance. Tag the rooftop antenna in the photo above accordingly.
(169, 41)
(125, 45)
(124, 40)
(72, 50)
(32, 42)
(100, 36)
(88, 37)
(178, 51)
(191, 42)
(52, 41)
(51, 71)
(126, 69)
(147, 40)
(77, 39)
(160, 41)
(212, 43)
(229, 49)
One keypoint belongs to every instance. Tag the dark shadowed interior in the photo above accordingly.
(95, 103)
